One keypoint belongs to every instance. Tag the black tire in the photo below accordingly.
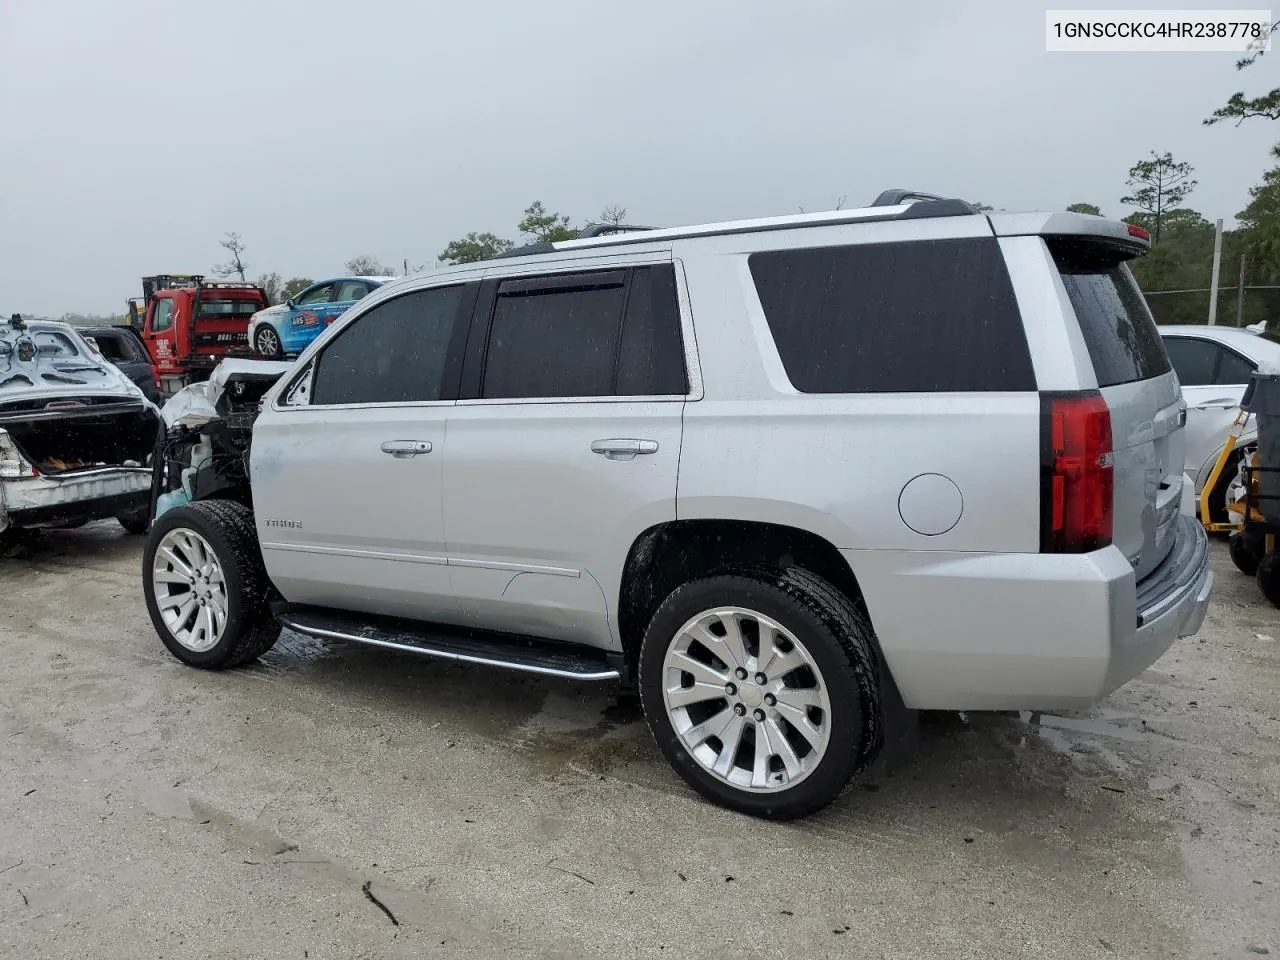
(1269, 577)
(250, 629)
(840, 641)
(135, 523)
(271, 353)
(1245, 552)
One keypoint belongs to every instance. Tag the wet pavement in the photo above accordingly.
(335, 801)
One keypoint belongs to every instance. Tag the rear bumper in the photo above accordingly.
(1029, 631)
(75, 498)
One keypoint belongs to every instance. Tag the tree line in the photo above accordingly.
(1177, 272)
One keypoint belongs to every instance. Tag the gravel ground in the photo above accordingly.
(342, 802)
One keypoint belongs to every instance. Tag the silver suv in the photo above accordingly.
(785, 476)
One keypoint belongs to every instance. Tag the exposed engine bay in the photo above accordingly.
(205, 449)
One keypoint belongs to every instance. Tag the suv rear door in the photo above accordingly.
(564, 445)
(1141, 391)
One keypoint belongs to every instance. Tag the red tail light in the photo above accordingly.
(1139, 232)
(1077, 474)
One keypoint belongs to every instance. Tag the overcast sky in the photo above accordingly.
(134, 133)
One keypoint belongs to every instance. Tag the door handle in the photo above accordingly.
(404, 449)
(1221, 403)
(623, 449)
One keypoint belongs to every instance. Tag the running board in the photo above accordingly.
(527, 654)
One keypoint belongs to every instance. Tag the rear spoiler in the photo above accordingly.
(1083, 226)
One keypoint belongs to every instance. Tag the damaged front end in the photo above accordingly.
(205, 450)
(76, 435)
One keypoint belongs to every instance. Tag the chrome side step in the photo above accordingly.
(527, 654)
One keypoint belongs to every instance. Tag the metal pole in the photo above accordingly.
(1217, 266)
(1240, 295)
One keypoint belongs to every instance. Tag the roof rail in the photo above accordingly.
(528, 250)
(589, 231)
(912, 205)
(892, 198)
(930, 204)
(602, 229)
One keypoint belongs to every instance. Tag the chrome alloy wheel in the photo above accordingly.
(190, 590)
(747, 699)
(267, 341)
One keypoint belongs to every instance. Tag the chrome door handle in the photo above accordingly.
(404, 449)
(1222, 403)
(623, 449)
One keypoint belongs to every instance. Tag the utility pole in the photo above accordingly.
(1217, 266)
(1240, 295)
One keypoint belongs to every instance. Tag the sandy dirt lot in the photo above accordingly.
(341, 802)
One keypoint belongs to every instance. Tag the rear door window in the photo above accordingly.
(555, 336)
(603, 333)
(350, 290)
(1233, 369)
(651, 354)
(913, 317)
(1118, 329)
(1193, 359)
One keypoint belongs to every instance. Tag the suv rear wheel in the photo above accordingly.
(761, 690)
(205, 585)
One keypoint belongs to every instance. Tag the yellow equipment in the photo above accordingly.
(1211, 484)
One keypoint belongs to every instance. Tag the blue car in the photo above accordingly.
(286, 329)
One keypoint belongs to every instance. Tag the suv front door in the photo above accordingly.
(347, 464)
(564, 446)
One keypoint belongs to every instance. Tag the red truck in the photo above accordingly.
(189, 323)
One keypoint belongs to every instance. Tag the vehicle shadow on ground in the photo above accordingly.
(983, 773)
(104, 541)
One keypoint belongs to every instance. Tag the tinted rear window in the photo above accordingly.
(1118, 329)
(925, 316)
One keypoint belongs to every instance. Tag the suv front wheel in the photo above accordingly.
(205, 585)
(761, 690)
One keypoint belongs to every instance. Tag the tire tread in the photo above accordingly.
(258, 630)
(850, 626)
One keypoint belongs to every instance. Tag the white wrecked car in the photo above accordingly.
(76, 434)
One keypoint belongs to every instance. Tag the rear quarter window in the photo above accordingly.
(1119, 331)
(913, 317)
